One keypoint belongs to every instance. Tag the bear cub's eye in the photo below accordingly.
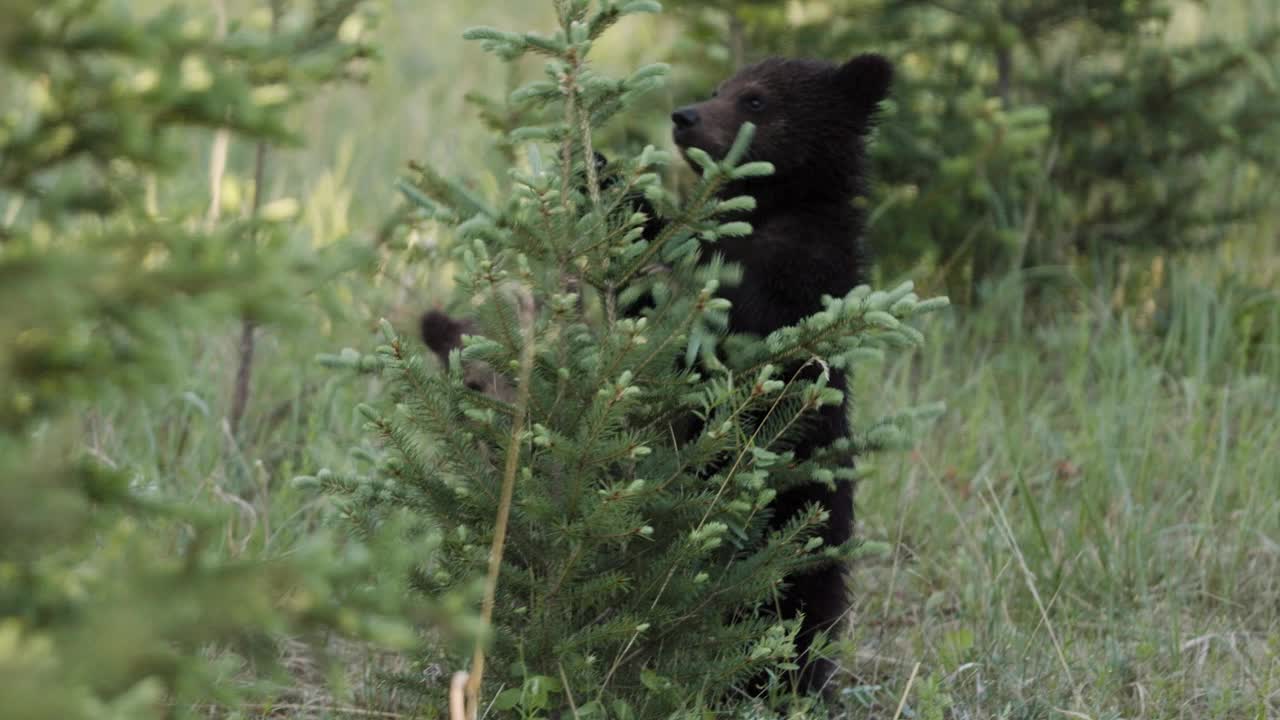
(755, 103)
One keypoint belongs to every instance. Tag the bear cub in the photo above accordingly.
(812, 120)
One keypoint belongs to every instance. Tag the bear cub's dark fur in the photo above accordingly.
(812, 119)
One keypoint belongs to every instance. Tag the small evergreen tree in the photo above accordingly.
(114, 602)
(635, 570)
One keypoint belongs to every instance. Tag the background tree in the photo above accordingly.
(1027, 134)
(115, 600)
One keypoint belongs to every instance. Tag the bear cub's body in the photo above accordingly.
(812, 119)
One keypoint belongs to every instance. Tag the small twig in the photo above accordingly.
(573, 707)
(737, 41)
(457, 696)
(247, 511)
(1002, 524)
(906, 692)
(589, 160)
(244, 376)
(244, 372)
(526, 310)
(566, 148)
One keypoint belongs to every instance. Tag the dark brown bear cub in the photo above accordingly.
(812, 119)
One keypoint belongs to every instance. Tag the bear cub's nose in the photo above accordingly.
(684, 118)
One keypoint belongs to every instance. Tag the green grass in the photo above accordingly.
(1092, 530)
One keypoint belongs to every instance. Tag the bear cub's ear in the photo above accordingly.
(866, 79)
(442, 333)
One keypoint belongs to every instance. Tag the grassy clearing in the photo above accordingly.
(1092, 529)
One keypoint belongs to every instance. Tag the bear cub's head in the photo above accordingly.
(811, 117)
(443, 334)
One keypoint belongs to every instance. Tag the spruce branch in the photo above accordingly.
(715, 176)
(618, 660)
